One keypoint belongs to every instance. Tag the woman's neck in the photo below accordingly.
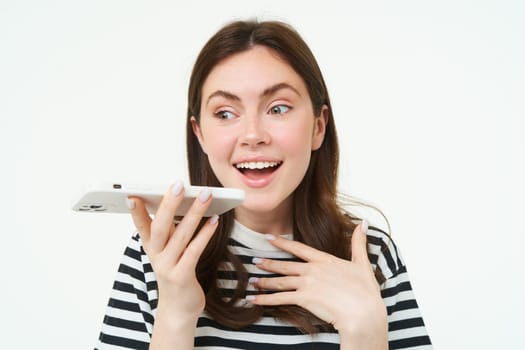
(278, 221)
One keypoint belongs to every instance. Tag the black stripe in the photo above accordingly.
(386, 250)
(234, 243)
(241, 344)
(373, 258)
(151, 285)
(128, 270)
(124, 342)
(133, 254)
(123, 287)
(392, 265)
(257, 328)
(147, 267)
(247, 259)
(148, 317)
(377, 241)
(260, 329)
(402, 305)
(409, 342)
(123, 305)
(405, 324)
(127, 324)
(398, 288)
(129, 288)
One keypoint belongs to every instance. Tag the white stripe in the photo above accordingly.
(392, 282)
(232, 284)
(407, 333)
(131, 298)
(267, 254)
(385, 269)
(422, 347)
(253, 269)
(403, 296)
(124, 314)
(266, 338)
(374, 249)
(131, 262)
(404, 315)
(102, 346)
(125, 278)
(150, 277)
(126, 333)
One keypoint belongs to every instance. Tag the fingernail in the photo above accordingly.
(270, 237)
(250, 297)
(256, 261)
(364, 226)
(130, 203)
(177, 188)
(253, 280)
(214, 219)
(204, 195)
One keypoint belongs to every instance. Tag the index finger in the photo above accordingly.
(300, 250)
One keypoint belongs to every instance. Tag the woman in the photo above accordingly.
(289, 268)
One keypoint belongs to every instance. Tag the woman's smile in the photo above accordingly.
(257, 173)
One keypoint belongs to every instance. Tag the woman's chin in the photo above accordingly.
(264, 206)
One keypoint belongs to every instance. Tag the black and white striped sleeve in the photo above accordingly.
(406, 328)
(128, 323)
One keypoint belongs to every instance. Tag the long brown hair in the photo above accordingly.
(318, 220)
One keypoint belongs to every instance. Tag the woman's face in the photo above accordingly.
(258, 128)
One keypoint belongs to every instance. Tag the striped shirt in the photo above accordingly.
(128, 323)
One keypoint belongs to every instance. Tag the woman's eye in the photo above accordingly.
(224, 115)
(279, 109)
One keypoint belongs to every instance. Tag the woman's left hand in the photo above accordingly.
(341, 292)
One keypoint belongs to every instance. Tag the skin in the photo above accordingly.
(245, 123)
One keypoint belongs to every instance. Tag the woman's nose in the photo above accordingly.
(254, 132)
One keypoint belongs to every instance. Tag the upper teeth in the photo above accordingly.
(256, 165)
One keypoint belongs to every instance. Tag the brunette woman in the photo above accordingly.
(288, 269)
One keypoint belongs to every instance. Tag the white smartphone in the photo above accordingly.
(111, 198)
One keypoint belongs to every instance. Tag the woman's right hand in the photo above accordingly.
(174, 255)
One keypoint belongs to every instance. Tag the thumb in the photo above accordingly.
(359, 245)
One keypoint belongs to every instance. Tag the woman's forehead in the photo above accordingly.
(254, 70)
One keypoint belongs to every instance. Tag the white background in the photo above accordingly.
(429, 103)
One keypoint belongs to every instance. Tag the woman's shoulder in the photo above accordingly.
(135, 261)
(384, 253)
(134, 248)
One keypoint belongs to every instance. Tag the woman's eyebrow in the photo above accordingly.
(221, 93)
(280, 86)
(267, 92)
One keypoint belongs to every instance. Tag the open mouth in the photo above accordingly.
(252, 169)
